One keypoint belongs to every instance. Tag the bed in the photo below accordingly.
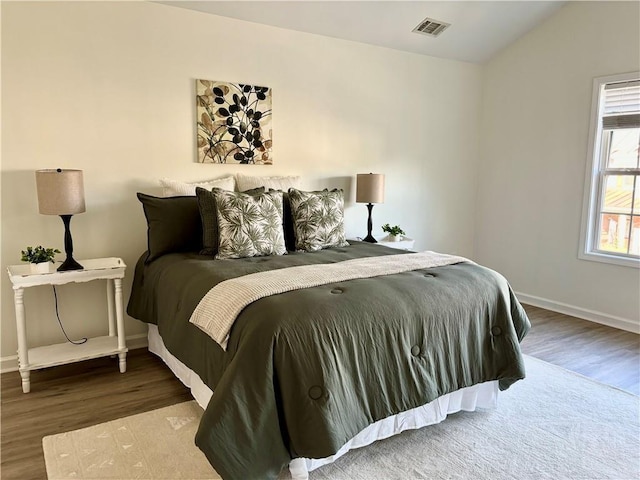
(305, 374)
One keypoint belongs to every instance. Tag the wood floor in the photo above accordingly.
(87, 393)
(76, 396)
(603, 353)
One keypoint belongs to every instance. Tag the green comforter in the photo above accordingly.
(306, 370)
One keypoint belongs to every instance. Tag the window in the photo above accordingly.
(611, 223)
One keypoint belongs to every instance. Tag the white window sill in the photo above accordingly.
(611, 259)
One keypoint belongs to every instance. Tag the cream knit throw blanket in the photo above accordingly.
(219, 308)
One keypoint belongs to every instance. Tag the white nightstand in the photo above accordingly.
(405, 244)
(109, 269)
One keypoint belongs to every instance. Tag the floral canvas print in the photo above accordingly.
(234, 123)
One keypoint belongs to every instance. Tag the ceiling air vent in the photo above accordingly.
(431, 27)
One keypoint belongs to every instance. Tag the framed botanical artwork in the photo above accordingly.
(233, 123)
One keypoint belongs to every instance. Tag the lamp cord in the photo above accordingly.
(79, 342)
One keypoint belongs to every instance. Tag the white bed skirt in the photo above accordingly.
(484, 395)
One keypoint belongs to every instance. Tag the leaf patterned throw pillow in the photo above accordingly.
(209, 217)
(318, 219)
(249, 226)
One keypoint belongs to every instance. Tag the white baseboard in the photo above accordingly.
(583, 313)
(10, 363)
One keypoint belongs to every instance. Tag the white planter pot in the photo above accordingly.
(395, 238)
(43, 267)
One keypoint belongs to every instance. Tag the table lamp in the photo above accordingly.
(61, 192)
(370, 190)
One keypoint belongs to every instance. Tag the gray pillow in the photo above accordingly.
(249, 225)
(318, 219)
(209, 218)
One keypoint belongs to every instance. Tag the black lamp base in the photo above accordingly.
(69, 263)
(369, 238)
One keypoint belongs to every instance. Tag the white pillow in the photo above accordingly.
(176, 188)
(284, 183)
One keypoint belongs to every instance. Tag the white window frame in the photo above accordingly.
(590, 222)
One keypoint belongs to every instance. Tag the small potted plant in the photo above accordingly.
(395, 232)
(39, 258)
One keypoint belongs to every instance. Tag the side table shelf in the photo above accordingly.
(110, 269)
(405, 244)
(63, 353)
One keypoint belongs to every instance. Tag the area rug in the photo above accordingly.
(553, 425)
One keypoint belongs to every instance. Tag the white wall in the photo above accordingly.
(535, 122)
(109, 88)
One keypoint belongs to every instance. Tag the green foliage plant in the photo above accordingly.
(39, 254)
(394, 231)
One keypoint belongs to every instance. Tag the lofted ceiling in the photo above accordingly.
(479, 29)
